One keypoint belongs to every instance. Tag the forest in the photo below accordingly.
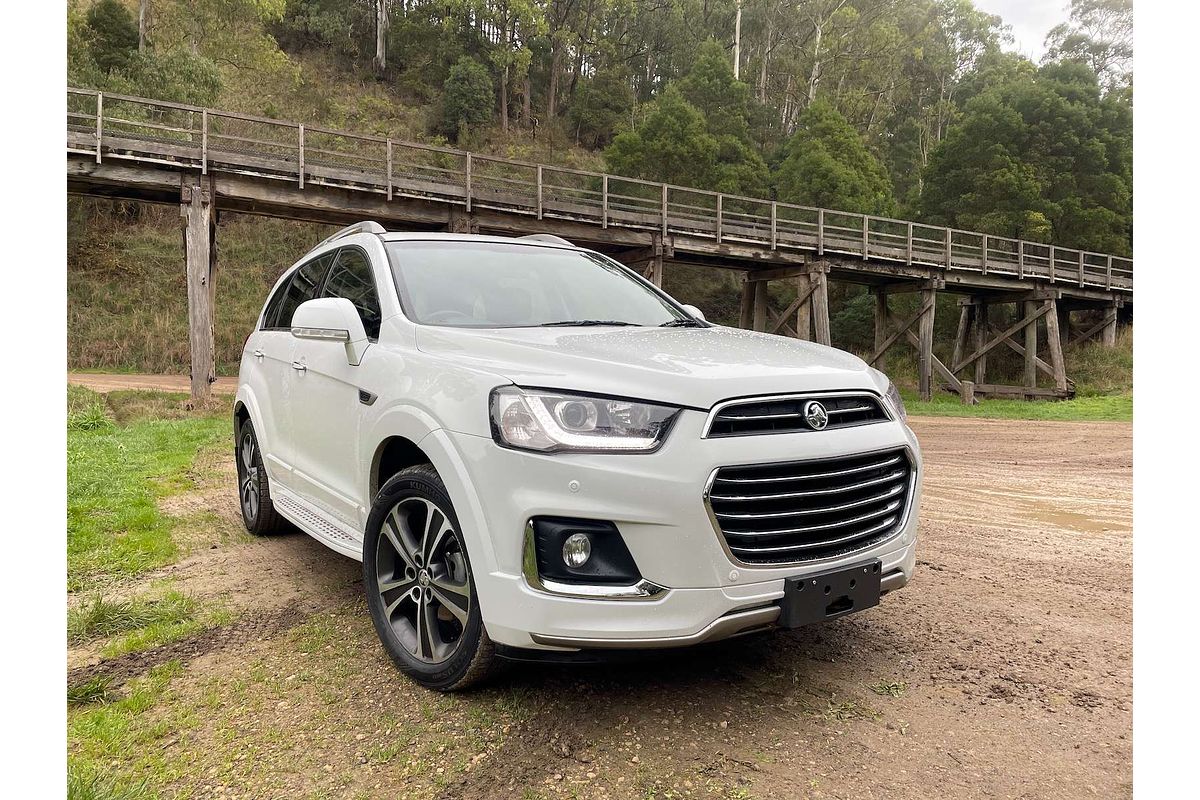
(909, 108)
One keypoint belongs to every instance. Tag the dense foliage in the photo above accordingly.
(897, 107)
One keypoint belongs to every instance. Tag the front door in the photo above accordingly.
(327, 408)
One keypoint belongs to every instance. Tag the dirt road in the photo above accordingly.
(1004, 670)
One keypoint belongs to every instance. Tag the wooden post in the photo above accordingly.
(1054, 342)
(604, 201)
(965, 315)
(820, 231)
(1080, 269)
(804, 312)
(746, 320)
(199, 233)
(908, 245)
(664, 209)
(949, 248)
(881, 317)
(760, 305)
(300, 143)
(1109, 335)
(775, 224)
(981, 338)
(966, 393)
(1108, 274)
(389, 169)
(539, 192)
(1052, 263)
(1031, 345)
(925, 334)
(865, 235)
(468, 182)
(820, 304)
(983, 260)
(720, 198)
(204, 141)
(1021, 260)
(99, 123)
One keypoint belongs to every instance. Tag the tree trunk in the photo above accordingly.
(552, 90)
(737, 42)
(504, 99)
(381, 34)
(814, 77)
(526, 109)
(143, 20)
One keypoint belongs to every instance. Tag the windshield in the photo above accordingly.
(490, 285)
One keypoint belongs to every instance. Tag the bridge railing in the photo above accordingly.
(121, 127)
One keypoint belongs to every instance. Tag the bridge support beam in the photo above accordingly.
(923, 319)
(200, 250)
(811, 305)
(1032, 307)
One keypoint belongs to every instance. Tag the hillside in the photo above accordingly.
(854, 123)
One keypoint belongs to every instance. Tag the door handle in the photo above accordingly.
(296, 365)
(259, 354)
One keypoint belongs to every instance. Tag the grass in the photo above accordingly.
(100, 619)
(888, 688)
(95, 690)
(1096, 408)
(98, 733)
(116, 474)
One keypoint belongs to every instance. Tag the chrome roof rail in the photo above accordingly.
(366, 226)
(548, 238)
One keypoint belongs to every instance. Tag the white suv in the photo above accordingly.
(537, 453)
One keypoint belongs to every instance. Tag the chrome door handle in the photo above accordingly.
(259, 354)
(296, 365)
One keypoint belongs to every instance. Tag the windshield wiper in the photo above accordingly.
(583, 323)
(686, 322)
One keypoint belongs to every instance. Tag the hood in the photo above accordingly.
(695, 367)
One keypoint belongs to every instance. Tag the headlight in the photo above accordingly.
(550, 422)
(893, 397)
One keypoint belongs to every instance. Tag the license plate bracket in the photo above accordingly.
(829, 595)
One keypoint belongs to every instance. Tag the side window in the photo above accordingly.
(352, 279)
(304, 284)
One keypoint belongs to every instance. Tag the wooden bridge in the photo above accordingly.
(203, 159)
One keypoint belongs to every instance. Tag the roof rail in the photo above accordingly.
(366, 226)
(548, 238)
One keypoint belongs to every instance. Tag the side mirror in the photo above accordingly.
(332, 319)
(695, 312)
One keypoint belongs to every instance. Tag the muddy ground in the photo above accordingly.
(1003, 670)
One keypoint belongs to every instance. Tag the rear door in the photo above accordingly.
(273, 351)
(328, 407)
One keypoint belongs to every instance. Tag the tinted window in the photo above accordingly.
(352, 279)
(303, 285)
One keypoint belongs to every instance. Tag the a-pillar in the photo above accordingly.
(200, 253)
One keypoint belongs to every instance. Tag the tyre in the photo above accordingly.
(254, 493)
(420, 589)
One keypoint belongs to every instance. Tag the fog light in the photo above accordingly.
(577, 549)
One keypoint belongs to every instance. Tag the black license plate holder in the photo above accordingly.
(829, 595)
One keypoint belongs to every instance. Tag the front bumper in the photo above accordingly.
(657, 502)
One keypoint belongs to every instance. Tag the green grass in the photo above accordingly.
(116, 473)
(97, 733)
(98, 618)
(1095, 408)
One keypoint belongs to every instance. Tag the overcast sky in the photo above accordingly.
(1031, 20)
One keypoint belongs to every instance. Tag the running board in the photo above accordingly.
(316, 523)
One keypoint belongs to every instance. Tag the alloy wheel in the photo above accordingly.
(423, 579)
(248, 477)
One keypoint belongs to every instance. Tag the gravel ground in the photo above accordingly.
(1003, 670)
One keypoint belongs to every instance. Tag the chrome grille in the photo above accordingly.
(808, 510)
(786, 414)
